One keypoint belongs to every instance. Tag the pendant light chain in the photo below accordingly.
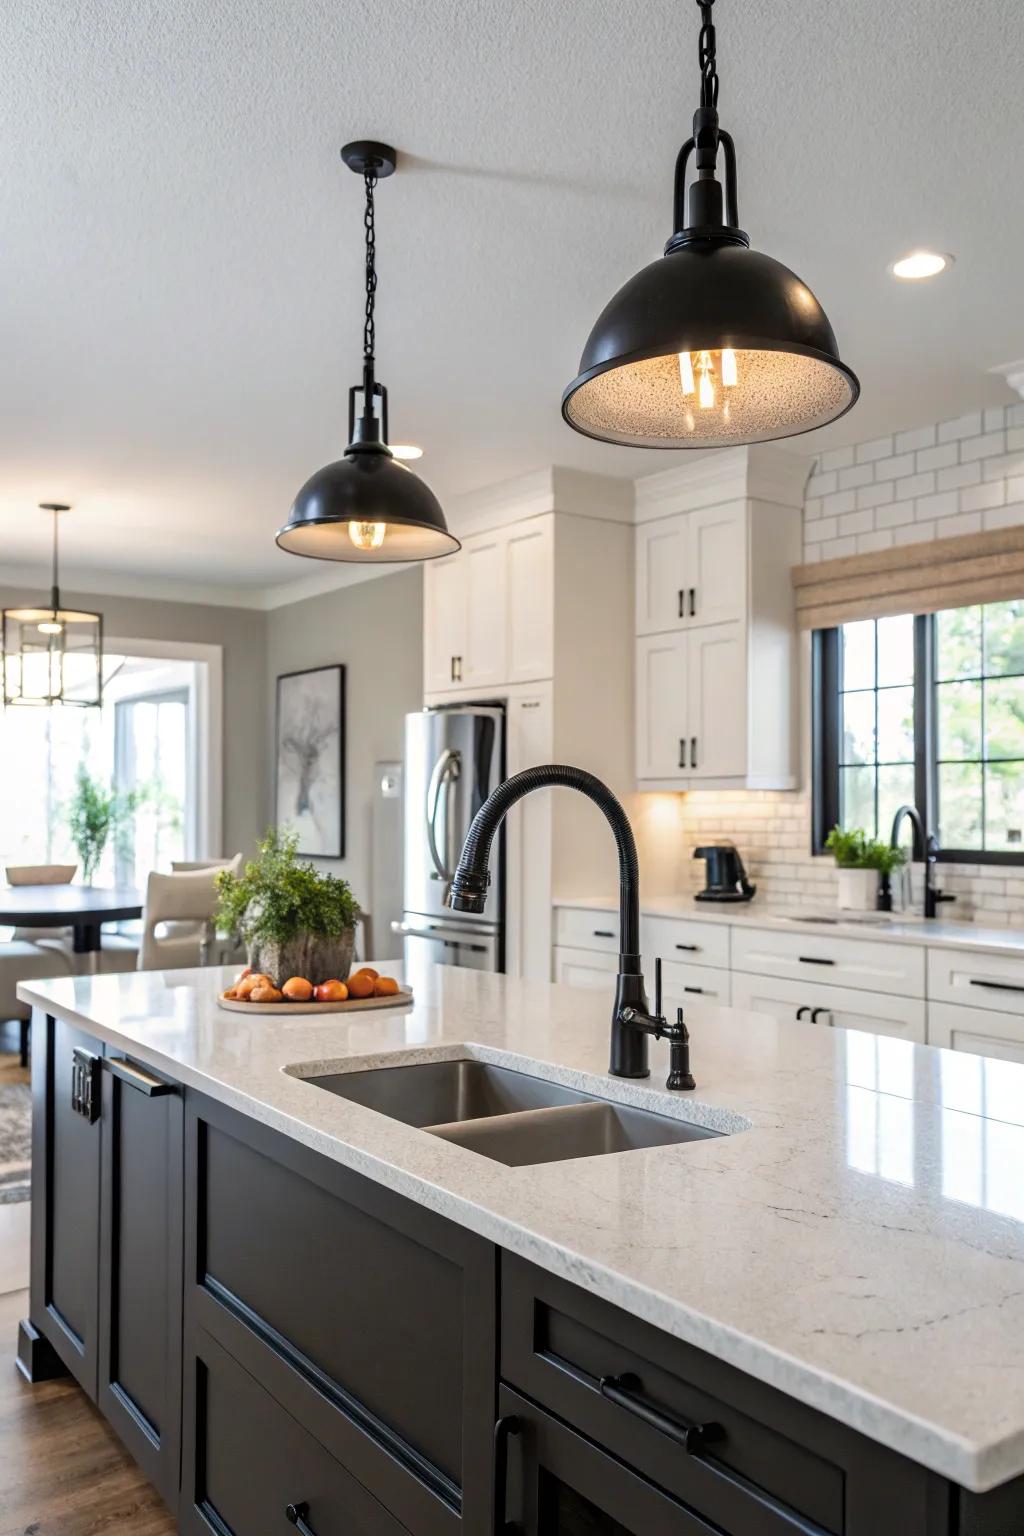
(369, 329)
(706, 51)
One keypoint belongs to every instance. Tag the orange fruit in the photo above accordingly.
(333, 991)
(385, 986)
(361, 985)
(297, 989)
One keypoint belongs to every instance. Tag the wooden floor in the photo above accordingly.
(63, 1472)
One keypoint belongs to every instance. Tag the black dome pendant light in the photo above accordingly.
(714, 344)
(367, 507)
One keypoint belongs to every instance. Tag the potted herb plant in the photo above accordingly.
(93, 813)
(861, 862)
(294, 920)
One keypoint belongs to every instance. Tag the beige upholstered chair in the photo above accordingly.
(181, 905)
(33, 953)
(42, 874)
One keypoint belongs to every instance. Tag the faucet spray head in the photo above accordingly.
(468, 891)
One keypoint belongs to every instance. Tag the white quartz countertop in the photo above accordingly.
(900, 928)
(857, 1241)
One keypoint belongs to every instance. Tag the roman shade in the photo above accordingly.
(915, 578)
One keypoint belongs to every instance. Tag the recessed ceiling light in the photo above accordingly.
(406, 450)
(920, 264)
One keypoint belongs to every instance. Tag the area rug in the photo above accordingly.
(15, 1142)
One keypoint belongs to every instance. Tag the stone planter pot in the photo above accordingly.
(858, 890)
(309, 955)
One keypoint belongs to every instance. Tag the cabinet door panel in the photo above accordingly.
(65, 1199)
(984, 1031)
(717, 699)
(530, 593)
(140, 1269)
(718, 564)
(484, 660)
(444, 621)
(663, 575)
(585, 968)
(842, 1007)
(662, 707)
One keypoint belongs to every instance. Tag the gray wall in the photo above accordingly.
(241, 633)
(375, 630)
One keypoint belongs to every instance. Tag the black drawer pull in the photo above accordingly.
(693, 602)
(138, 1078)
(603, 933)
(814, 960)
(804, 1008)
(682, 606)
(996, 986)
(691, 948)
(296, 1514)
(693, 989)
(624, 1391)
(503, 1431)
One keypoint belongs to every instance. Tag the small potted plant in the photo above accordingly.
(93, 813)
(294, 920)
(861, 862)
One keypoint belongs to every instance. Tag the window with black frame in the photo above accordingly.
(926, 710)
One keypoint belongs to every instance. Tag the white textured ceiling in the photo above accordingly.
(180, 246)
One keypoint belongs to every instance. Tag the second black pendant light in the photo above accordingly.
(713, 344)
(367, 507)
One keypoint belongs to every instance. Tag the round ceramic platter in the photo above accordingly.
(350, 1005)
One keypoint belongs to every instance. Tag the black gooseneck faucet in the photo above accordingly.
(631, 1021)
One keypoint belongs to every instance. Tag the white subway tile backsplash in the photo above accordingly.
(914, 533)
(859, 474)
(974, 498)
(963, 522)
(960, 475)
(834, 548)
(867, 543)
(1003, 517)
(812, 509)
(856, 522)
(892, 469)
(963, 426)
(938, 458)
(1015, 415)
(877, 448)
(839, 501)
(824, 528)
(920, 437)
(836, 458)
(982, 447)
(892, 516)
(915, 485)
(1002, 466)
(994, 418)
(875, 495)
(823, 484)
(941, 504)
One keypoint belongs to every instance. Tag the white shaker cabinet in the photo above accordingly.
(691, 713)
(444, 630)
(484, 605)
(691, 569)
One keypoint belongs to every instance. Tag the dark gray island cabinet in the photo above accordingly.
(282, 1343)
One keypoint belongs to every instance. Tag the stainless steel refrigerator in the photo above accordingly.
(454, 758)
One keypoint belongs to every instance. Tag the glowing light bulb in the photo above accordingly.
(50, 627)
(686, 373)
(920, 264)
(706, 391)
(406, 450)
(367, 535)
(728, 367)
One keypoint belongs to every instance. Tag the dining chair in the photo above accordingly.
(177, 921)
(47, 939)
(21, 961)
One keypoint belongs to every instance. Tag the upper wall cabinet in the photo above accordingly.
(691, 569)
(489, 610)
(717, 658)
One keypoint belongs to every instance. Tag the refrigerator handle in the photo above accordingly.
(445, 772)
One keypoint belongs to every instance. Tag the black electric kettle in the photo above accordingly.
(726, 879)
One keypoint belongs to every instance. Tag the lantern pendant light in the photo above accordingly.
(714, 344)
(367, 507)
(53, 655)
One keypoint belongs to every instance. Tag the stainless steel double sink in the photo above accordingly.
(510, 1116)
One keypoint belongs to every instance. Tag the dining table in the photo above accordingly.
(82, 908)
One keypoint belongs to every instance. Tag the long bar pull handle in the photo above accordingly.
(682, 604)
(693, 751)
(693, 602)
(996, 986)
(138, 1078)
(503, 1431)
(814, 960)
(626, 1392)
(682, 751)
(691, 948)
(296, 1514)
(603, 933)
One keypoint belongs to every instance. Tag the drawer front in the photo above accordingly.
(585, 968)
(871, 967)
(981, 1030)
(995, 982)
(766, 1465)
(682, 984)
(247, 1462)
(369, 1318)
(581, 929)
(682, 940)
(842, 1007)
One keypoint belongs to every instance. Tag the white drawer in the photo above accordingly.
(994, 982)
(682, 940)
(843, 1007)
(976, 1029)
(824, 959)
(585, 968)
(682, 984)
(582, 928)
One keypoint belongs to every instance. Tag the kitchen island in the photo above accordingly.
(810, 1321)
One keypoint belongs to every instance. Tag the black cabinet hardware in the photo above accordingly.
(690, 948)
(603, 933)
(682, 751)
(693, 989)
(996, 986)
(693, 751)
(138, 1078)
(503, 1431)
(682, 604)
(626, 1392)
(804, 1008)
(296, 1514)
(815, 1012)
(85, 1084)
(693, 602)
(456, 669)
(814, 960)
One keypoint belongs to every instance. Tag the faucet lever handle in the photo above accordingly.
(657, 988)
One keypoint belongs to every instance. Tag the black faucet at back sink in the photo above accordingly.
(632, 1023)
